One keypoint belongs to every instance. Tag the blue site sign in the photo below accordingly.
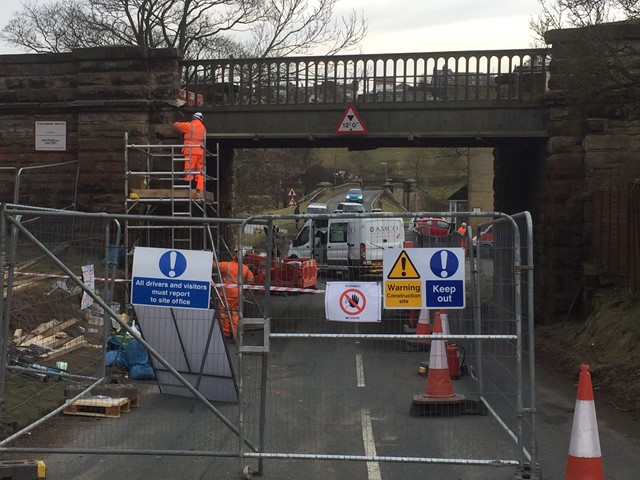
(444, 283)
(171, 278)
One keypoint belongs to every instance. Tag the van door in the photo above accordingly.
(338, 242)
(302, 246)
(380, 235)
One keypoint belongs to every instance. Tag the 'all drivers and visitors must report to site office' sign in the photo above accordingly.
(171, 278)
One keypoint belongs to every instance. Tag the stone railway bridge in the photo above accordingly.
(545, 148)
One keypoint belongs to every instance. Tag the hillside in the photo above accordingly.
(608, 340)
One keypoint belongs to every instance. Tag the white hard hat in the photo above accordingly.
(199, 116)
(464, 224)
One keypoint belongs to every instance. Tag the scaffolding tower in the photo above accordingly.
(155, 185)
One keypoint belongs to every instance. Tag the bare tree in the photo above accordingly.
(200, 28)
(600, 64)
(556, 14)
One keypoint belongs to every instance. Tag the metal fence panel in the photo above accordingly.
(310, 388)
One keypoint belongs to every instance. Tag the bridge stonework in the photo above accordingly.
(103, 93)
(556, 179)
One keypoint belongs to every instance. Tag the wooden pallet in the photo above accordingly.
(99, 407)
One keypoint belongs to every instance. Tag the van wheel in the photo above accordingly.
(293, 256)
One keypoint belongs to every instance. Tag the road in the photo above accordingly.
(368, 197)
(319, 401)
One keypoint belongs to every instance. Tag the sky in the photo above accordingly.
(405, 26)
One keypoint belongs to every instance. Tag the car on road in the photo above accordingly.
(355, 195)
(349, 207)
(431, 226)
(314, 208)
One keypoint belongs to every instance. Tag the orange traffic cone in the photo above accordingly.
(444, 318)
(585, 458)
(423, 327)
(424, 324)
(438, 379)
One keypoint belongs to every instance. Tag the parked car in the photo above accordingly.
(485, 237)
(349, 207)
(431, 226)
(355, 195)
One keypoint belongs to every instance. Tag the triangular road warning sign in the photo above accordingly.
(292, 193)
(351, 122)
(292, 202)
(403, 269)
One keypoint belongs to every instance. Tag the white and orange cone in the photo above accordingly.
(438, 378)
(585, 458)
(424, 325)
(444, 318)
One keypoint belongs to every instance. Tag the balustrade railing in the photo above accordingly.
(408, 78)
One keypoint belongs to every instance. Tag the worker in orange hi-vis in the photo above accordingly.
(195, 135)
(230, 272)
(462, 230)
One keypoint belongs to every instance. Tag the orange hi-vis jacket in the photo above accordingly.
(195, 133)
(230, 276)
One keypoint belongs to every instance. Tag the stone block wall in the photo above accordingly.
(101, 94)
(585, 131)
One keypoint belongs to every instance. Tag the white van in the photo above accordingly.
(314, 208)
(356, 244)
(310, 242)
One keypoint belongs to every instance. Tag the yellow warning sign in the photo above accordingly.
(403, 294)
(403, 269)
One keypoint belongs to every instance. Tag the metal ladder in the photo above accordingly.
(150, 169)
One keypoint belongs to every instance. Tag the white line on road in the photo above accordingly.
(359, 371)
(373, 468)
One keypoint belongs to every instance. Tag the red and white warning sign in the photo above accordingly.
(351, 123)
(353, 302)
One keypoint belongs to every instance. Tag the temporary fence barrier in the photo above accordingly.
(317, 380)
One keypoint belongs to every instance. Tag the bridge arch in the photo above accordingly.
(545, 149)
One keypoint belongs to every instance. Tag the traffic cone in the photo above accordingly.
(438, 379)
(585, 458)
(424, 325)
(444, 318)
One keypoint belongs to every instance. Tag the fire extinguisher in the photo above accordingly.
(453, 359)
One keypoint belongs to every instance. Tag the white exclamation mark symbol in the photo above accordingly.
(172, 263)
(443, 261)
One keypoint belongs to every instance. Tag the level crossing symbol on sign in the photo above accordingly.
(351, 123)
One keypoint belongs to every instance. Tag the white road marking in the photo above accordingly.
(373, 468)
(359, 371)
